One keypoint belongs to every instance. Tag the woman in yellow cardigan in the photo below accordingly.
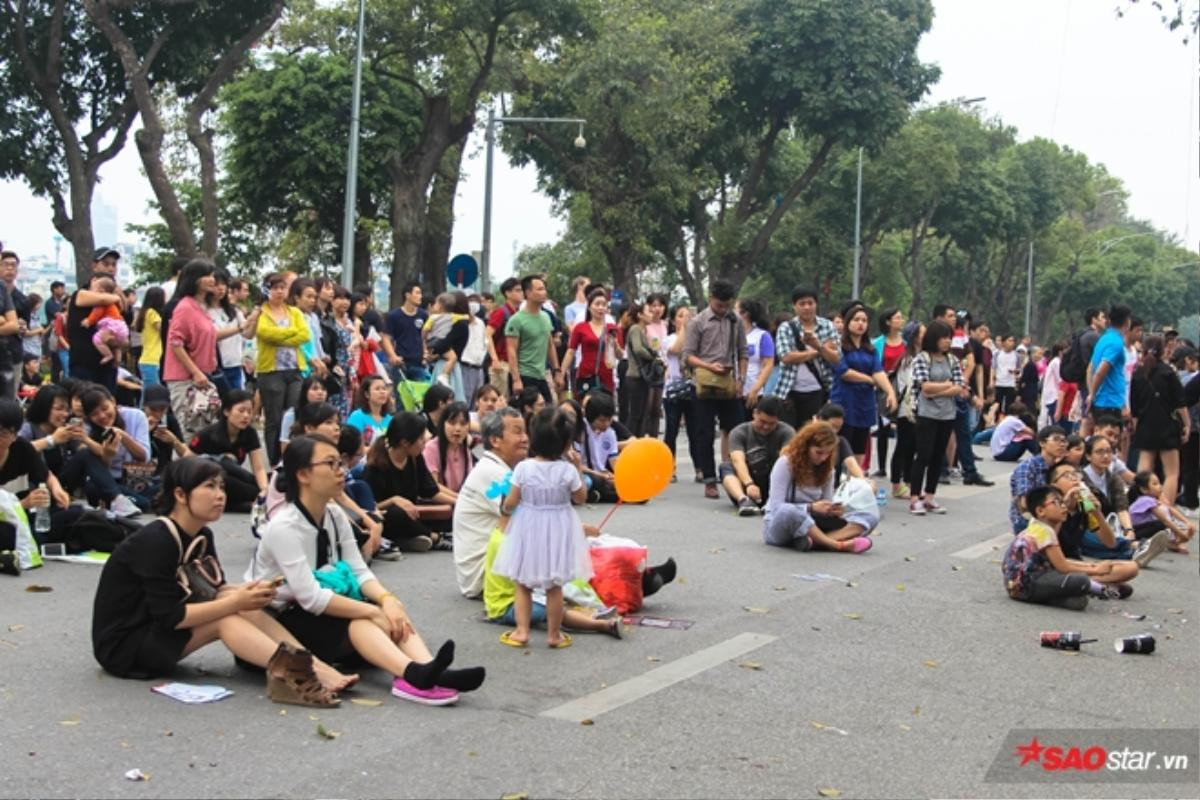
(280, 332)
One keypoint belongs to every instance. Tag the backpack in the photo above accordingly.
(1071, 368)
(1021, 562)
(93, 530)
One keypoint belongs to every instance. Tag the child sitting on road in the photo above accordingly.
(112, 334)
(544, 547)
(1034, 567)
(1149, 514)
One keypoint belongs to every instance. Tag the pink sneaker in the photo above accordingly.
(859, 544)
(437, 696)
(933, 507)
(916, 506)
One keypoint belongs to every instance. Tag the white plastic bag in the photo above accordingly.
(855, 495)
(11, 512)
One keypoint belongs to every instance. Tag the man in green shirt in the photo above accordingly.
(530, 344)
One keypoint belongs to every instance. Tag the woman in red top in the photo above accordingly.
(595, 342)
(890, 343)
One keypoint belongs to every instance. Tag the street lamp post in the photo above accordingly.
(961, 101)
(485, 257)
(352, 158)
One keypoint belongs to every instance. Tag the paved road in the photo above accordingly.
(903, 684)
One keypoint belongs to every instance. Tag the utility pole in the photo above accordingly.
(348, 226)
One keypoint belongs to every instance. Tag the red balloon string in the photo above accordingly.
(608, 516)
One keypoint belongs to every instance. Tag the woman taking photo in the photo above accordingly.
(645, 375)
(112, 437)
(855, 378)
(280, 332)
(311, 544)
(937, 379)
(800, 511)
(231, 440)
(231, 325)
(149, 324)
(143, 624)
(592, 347)
(416, 511)
(191, 354)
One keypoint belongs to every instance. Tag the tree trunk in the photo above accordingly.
(439, 218)
(361, 271)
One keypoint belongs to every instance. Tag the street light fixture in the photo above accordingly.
(1107, 245)
(961, 101)
(485, 258)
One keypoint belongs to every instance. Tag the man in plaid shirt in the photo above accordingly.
(1034, 471)
(807, 347)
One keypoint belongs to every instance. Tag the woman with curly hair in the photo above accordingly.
(800, 512)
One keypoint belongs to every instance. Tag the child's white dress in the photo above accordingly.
(544, 545)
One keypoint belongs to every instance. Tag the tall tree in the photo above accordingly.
(208, 42)
(67, 110)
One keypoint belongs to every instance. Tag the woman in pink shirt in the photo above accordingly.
(191, 346)
(448, 455)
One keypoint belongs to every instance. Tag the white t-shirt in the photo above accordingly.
(229, 348)
(1131, 365)
(1005, 365)
(1002, 437)
(759, 345)
(673, 372)
(1050, 382)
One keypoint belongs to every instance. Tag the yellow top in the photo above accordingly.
(152, 344)
(272, 335)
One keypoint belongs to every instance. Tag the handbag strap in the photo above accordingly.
(185, 554)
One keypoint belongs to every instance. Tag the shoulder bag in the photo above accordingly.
(199, 573)
(718, 385)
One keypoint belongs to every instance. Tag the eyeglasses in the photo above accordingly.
(1055, 501)
(334, 464)
(1070, 473)
(1057, 439)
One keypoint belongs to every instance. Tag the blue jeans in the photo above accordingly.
(235, 377)
(962, 435)
(410, 373)
(150, 375)
(983, 437)
(1015, 450)
(1092, 547)
(537, 615)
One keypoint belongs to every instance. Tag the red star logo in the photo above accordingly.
(1029, 752)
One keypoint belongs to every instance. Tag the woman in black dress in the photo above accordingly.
(142, 624)
(1161, 422)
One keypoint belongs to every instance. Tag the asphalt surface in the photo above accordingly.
(904, 680)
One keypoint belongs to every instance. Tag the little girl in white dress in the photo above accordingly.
(544, 545)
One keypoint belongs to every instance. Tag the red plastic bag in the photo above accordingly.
(617, 576)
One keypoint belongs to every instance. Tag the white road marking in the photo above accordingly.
(597, 703)
(984, 548)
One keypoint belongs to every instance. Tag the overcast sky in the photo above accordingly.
(1122, 91)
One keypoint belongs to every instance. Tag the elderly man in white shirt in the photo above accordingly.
(477, 512)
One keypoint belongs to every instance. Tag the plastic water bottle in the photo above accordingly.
(41, 519)
(881, 498)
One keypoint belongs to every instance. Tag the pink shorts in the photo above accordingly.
(116, 327)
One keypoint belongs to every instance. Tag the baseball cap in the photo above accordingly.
(103, 253)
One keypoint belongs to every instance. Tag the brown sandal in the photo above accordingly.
(290, 679)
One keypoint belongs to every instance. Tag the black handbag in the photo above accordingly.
(199, 573)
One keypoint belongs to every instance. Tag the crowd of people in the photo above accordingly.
(474, 424)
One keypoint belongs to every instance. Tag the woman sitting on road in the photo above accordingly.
(231, 440)
(114, 436)
(310, 542)
(373, 408)
(448, 454)
(800, 512)
(416, 512)
(142, 624)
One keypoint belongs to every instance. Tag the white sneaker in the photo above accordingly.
(122, 506)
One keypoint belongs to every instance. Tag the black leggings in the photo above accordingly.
(882, 434)
(398, 526)
(932, 437)
(1052, 587)
(241, 487)
(902, 456)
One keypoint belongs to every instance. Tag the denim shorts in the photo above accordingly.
(536, 617)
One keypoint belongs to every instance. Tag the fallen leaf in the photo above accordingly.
(755, 665)
(655, 659)
(916, 711)
(125, 745)
(851, 584)
(756, 609)
(34, 587)
(900, 587)
(515, 796)
(956, 567)
(136, 775)
(314, 718)
(715, 550)
(588, 721)
(283, 712)
(363, 701)
(829, 792)
(681, 580)
(16, 626)
(1169, 610)
(821, 726)
(931, 663)
(853, 615)
(71, 721)
(325, 733)
(906, 727)
(910, 558)
(777, 588)
(168, 733)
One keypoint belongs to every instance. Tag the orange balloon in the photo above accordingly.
(643, 470)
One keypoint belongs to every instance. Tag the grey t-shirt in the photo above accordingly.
(937, 407)
(761, 451)
(1087, 343)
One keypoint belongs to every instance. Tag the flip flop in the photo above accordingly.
(563, 643)
(506, 638)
